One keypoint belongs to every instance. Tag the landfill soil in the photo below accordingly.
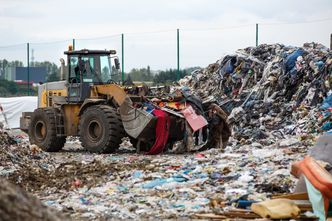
(17, 204)
(126, 185)
(273, 94)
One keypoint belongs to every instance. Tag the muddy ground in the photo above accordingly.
(127, 185)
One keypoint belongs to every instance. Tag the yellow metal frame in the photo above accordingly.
(71, 118)
(49, 93)
(112, 91)
(71, 111)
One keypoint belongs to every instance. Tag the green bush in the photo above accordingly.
(9, 86)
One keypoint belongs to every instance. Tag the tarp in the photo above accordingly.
(13, 108)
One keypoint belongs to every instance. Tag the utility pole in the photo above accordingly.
(122, 57)
(32, 58)
(28, 68)
(256, 34)
(178, 54)
(73, 44)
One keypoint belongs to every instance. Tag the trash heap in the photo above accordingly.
(278, 99)
(16, 204)
(271, 91)
(17, 159)
(137, 186)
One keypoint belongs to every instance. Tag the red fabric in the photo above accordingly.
(162, 131)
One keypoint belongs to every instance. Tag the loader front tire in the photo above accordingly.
(101, 129)
(42, 130)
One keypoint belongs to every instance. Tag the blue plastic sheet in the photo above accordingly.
(327, 126)
(291, 59)
(327, 103)
(159, 182)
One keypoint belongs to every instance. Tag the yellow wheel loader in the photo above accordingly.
(87, 103)
(84, 103)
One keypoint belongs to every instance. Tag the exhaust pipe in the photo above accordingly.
(62, 69)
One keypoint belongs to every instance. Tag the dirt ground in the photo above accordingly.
(127, 185)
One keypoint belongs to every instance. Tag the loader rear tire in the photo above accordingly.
(42, 130)
(101, 129)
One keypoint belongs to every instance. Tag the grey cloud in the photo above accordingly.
(49, 20)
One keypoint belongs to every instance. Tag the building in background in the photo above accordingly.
(37, 74)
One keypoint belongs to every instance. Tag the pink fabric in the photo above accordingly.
(162, 131)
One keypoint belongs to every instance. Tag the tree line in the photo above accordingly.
(156, 77)
(10, 88)
(52, 70)
(53, 74)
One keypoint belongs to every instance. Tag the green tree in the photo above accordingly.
(3, 65)
(15, 64)
(148, 73)
(53, 71)
(10, 86)
(53, 77)
(141, 74)
(3, 91)
(168, 76)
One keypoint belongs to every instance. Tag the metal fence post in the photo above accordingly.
(178, 53)
(256, 34)
(122, 57)
(28, 67)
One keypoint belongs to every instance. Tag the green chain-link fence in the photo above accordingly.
(151, 51)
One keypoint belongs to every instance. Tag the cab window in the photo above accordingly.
(94, 68)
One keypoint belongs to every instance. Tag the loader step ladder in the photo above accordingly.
(59, 127)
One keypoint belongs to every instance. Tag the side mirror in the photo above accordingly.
(117, 63)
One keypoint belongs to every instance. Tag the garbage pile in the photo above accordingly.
(278, 99)
(16, 204)
(17, 157)
(137, 186)
(271, 91)
(6, 139)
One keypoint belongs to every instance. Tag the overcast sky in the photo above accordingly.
(209, 29)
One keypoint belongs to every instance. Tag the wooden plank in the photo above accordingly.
(304, 205)
(210, 216)
(293, 196)
(241, 213)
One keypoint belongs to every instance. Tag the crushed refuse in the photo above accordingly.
(278, 100)
(16, 204)
(133, 186)
(270, 91)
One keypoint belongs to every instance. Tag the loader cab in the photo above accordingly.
(85, 69)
